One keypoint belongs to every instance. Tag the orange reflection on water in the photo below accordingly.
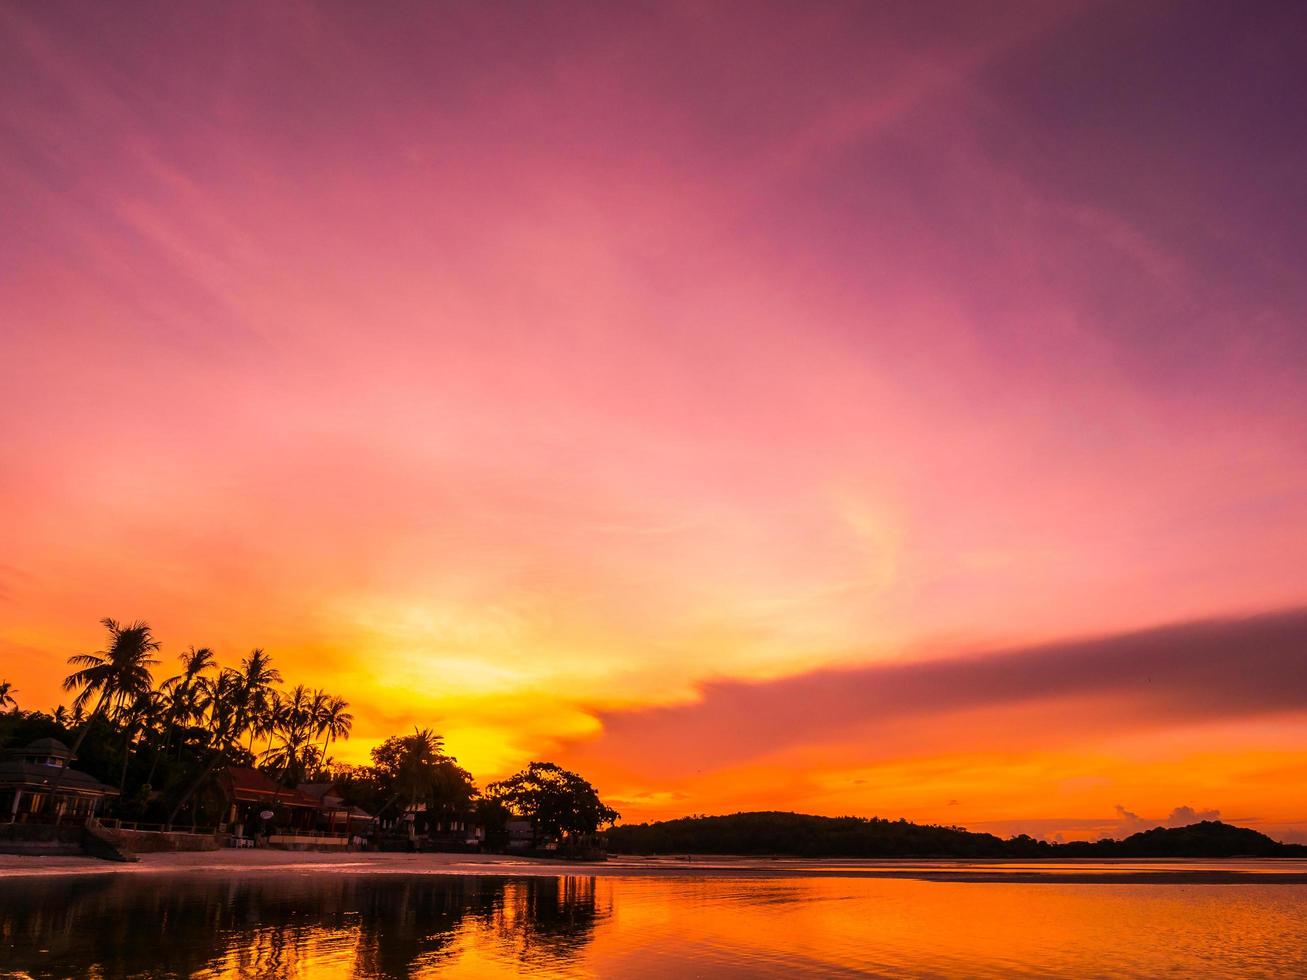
(897, 926)
(736, 924)
(424, 927)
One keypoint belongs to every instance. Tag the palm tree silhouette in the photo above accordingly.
(117, 674)
(296, 726)
(140, 714)
(232, 700)
(69, 720)
(411, 763)
(182, 694)
(267, 718)
(7, 692)
(335, 721)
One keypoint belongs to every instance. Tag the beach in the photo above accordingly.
(269, 862)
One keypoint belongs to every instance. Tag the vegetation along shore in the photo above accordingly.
(210, 755)
(214, 756)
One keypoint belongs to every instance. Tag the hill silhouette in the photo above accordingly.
(806, 835)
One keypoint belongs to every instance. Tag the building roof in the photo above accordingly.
(323, 792)
(251, 786)
(17, 772)
(332, 800)
(47, 747)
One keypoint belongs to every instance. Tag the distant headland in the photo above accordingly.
(806, 835)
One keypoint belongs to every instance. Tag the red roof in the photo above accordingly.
(252, 786)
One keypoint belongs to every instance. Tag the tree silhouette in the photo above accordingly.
(557, 802)
(335, 722)
(232, 696)
(139, 714)
(182, 695)
(117, 674)
(415, 768)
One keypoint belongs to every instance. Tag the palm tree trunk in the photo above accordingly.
(127, 755)
(99, 706)
(199, 781)
(220, 755)
(276, 794)
(162, 750)
(326, 744)
(158, 753)
(59, 776)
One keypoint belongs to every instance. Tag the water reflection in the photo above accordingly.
(323, 924)
(371, 926)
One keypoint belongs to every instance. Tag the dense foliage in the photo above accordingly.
(770, 832)
(1210, 838)
(164, 743)
(408, 771)
(161, 742)
(557, 802)
(812, 836)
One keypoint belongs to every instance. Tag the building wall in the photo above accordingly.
(37, 838)
(306, 842)
(150, 841)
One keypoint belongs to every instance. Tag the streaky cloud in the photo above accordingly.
(1184, 672)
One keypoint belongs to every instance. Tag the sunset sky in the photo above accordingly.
(878, 408)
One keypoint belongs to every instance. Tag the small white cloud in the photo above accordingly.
(1182, 816)
(1129, 822)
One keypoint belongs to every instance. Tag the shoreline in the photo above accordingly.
(261, 863)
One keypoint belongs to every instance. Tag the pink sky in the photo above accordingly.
(537, 371)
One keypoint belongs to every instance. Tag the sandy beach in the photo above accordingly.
(273, 862)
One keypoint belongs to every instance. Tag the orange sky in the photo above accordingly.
(633, 386)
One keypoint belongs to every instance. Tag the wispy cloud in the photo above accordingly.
(530, 375)
(1183, 673)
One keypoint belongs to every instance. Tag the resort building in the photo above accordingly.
(335, 815)
(458, 833)
(521, 835)
(291, 814)
(37, 785)
(419, 830)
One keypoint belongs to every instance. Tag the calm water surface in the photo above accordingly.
(316, 924)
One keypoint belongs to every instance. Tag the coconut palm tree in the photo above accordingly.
(335, 721)
(114, 676)
(256, 718)
(296, 727)
(317, 710)
(7, 692)
(214, 700)
(257, 679)
(140, 714)
(182, 694)
(292, 753)
(233, 697)
(117, 674)
(68, 720)
(267, 717)
(408, 765)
